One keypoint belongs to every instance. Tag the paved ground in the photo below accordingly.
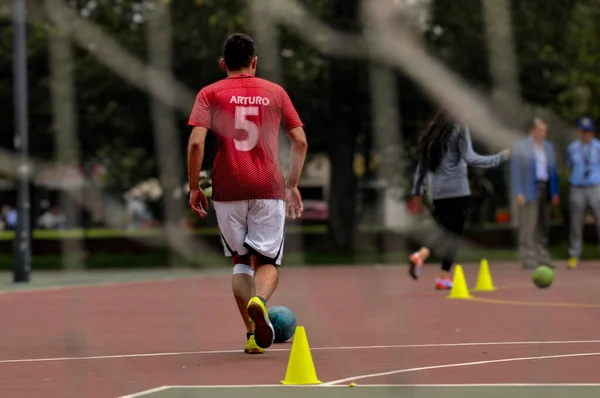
(134, 332)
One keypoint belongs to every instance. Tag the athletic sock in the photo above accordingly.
(263, 300)
(248, 335)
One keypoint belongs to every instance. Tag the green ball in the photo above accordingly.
(543, 276)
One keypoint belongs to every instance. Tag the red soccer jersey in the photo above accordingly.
(244, 113)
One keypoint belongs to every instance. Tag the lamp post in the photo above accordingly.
(22, 241)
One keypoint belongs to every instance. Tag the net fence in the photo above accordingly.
(112, 83)
(392, 44)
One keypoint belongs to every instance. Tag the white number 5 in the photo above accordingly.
(242, 123)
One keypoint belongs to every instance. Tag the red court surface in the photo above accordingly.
(371, 325)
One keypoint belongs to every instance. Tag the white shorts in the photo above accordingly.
(252, 226)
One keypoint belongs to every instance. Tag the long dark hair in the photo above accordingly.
(433, 142)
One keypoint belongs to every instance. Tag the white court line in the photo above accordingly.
(200, 387)
(146, 392)
(457, 365)
(341, 348)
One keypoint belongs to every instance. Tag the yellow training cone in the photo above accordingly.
(459, 285)
(484, 279)
(300, 369)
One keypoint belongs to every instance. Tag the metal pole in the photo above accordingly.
(22, 241)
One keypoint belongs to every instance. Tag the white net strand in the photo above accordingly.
(266, 34)
(296, 17)
(391, 43)
(92, 38)
(387, 131)
(166, 140)
(502, 58)
(64, 111)
(400, 50)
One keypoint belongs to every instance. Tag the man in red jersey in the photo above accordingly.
(250, 195)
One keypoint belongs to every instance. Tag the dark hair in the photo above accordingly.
(238, 51)
(434, 140)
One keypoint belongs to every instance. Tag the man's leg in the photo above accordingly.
(577, 206)
(528, 219)
(543, 227)
(266, 278)
(242, 283)
(231, 218)
(266, 221)
(594, 201)
(243, 290)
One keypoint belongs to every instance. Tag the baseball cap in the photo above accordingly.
(586, 124)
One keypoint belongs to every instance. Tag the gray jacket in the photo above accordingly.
(451, 179)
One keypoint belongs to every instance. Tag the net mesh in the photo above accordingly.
(112, 83)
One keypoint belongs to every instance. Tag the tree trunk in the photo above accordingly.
(345, 125)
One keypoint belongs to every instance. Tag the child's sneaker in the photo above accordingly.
(416, 262)
(443, 283)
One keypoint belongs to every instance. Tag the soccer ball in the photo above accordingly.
(284, 323)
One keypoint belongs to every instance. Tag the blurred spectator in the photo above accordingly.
(535, 186)
(53, 218)
(583, 159)
(138, 214)
(9, 218)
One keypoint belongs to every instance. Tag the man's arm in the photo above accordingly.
(295, 131)
(200, 120)
(297, 155)
(195, 154)
(569, 156)
(198, 201)
(553, 174)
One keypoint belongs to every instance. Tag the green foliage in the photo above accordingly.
(458, 38)
(125, 167)
(40, 118)
(557, 42)
(559, 52)
(582, 59)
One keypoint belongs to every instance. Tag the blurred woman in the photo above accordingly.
(445, 152)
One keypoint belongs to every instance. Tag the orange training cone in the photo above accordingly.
(300, 369)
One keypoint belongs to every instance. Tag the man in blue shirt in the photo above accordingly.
(583, 158)
(535, 187)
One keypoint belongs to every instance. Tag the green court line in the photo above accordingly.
(205, 231)
(150, 232)
(58, 280)
(377, 391)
